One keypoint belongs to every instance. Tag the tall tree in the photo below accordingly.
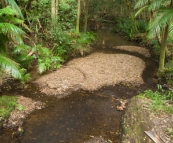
(54, 9)
(161, 19)
(85, 6)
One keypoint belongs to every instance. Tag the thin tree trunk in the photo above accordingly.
(163, 49)
(85, 15)
(78, 17)
(54, 9)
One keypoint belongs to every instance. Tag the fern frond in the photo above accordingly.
(10, 66)
(7, 15)
(7, 11)
(14, 6)
(10, 19)
(12, 32)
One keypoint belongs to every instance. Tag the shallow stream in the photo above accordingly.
(82, 115)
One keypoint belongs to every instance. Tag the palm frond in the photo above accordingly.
(141, 3)
(7, 15)
(14, 6)
(163, 17)
(9, 66)
(155, 5)
(141, 10)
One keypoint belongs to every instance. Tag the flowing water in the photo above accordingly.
(82, 115)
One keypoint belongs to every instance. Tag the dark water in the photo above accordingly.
(81, 115)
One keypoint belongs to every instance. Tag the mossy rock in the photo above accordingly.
(136, 121)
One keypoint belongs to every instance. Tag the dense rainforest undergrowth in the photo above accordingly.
(46, 33)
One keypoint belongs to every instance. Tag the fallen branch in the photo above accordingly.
(153, 135)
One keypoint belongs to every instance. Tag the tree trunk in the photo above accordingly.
(54, 9)
(85, 3)
(78, 17)
(163, 49)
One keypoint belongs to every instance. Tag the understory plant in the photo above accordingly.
(10, 35)
(83, 42)
(160, 100)
(46, 59)
(131, 27)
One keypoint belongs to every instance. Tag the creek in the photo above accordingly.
(82, 115)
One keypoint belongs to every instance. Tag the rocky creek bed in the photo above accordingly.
(95, 71)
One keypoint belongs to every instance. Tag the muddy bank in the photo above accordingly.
(18, 115)
(139, 120)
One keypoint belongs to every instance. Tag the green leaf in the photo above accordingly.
(10, 66)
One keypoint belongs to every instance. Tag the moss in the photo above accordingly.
(7, 105)
(135, 123)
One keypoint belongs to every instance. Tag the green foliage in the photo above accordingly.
(83, 40)
(67, 14)
(10, 32)
(62, 40)
(126, 26)
(15, 7)
(142, 26)
(21, 55)
(13, 68)
(159, 99)
(7, 104)
(131, 27)
(68, 42)
(46, 59)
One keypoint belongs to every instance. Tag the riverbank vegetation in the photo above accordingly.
(161, 100)
(7, 104)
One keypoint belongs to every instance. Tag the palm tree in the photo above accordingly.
(161, 18)
(9, 32)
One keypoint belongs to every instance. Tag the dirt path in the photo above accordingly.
(95, 71)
